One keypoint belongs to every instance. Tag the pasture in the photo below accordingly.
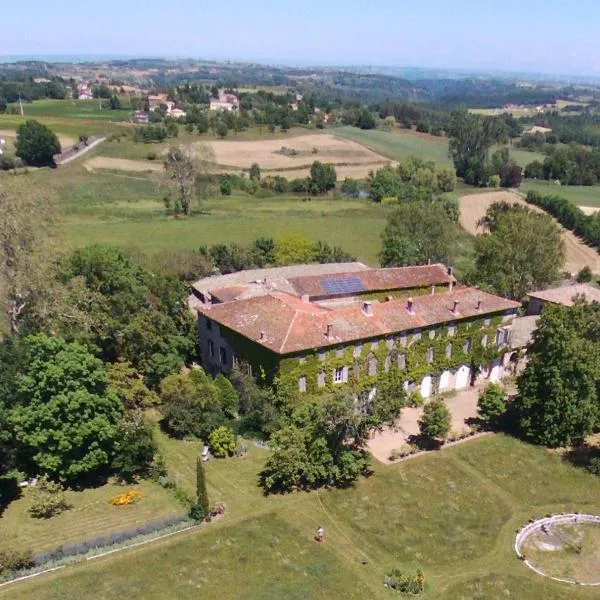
(452, 513)
(474, 206)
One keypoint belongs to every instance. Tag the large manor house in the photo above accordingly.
(321, 326)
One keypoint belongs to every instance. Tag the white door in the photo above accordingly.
(462, 377)
(426, 386)
(444, 381)
(496, 369)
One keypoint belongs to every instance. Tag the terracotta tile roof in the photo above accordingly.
(286, 324)
(565, 294)
(375, 279)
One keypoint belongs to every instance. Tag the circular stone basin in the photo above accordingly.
(562, 547)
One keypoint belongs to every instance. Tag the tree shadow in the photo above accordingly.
(582, 455)
(424, 442)
(9, 491)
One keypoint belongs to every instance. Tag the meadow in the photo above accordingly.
(452, 513)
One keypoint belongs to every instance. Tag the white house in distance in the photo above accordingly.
(225, 101)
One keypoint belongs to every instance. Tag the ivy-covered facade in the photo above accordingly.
(431, 360)
(436, 336)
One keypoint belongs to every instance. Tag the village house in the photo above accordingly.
(157, 100)
(564, 295)
(141, 117)
(225, 101)
(320, 326)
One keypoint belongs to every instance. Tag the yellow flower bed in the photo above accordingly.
(126, 498)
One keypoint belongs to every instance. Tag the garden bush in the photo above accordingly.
(222, 441)
(48, 500)
(15, 560)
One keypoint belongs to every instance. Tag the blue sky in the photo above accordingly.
(534, 35)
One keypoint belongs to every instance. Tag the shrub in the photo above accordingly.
(15, 560)
(415, 399)
(197, 512)
(436, 419)
(594, 466)
(151, 156)
(584, 275)
(492, 404)
(406, 583)
(182, 495)
(48, 500)
(222, 441)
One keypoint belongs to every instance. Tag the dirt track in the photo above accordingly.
(474, 206)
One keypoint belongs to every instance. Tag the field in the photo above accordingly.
(453, 514)
(126, 209)
(582, 195)
(401, 143)
(68, 118)
(72, 109)
(474, 206)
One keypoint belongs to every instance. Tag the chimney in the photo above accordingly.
(262, 336)
(432, 290)
(450, 272)
(455, 307)
(389, 298)
(329, 330)
(368, 308)
(409, 307)
(478, 307)
(305, 298)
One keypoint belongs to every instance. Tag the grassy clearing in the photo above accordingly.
(453, 513)
(582, 195)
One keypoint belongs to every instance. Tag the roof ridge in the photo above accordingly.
(282, 346)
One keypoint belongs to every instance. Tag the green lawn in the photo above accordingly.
(91, 514)
(583, 195)
(453, 513)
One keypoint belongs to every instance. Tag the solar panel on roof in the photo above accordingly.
(344, 285)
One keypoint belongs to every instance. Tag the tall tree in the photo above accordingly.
(36, 144)
(183, 166)
(416, 232)
(558, 401)
(25, 220)
(523, 251)
(201, 491)
(67, 416)
(471, 137)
